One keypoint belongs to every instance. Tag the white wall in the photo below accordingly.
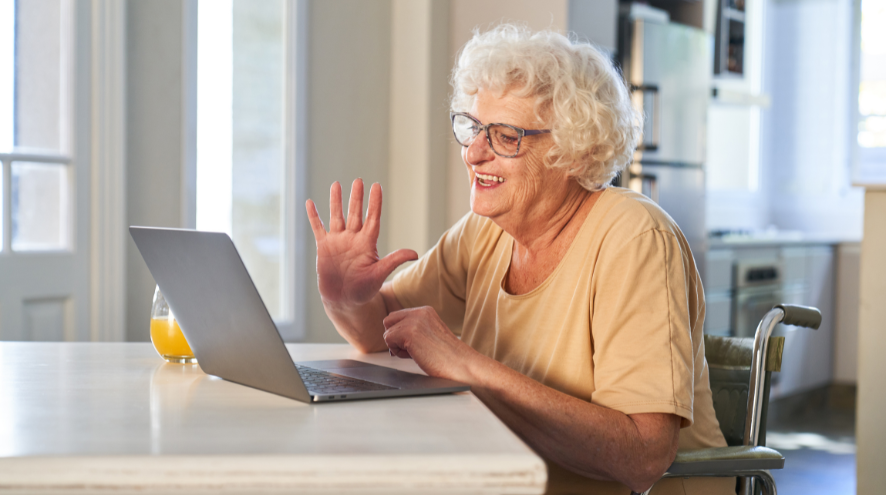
(810, 146)
(419, 123)
(155, 147)
(349, 63)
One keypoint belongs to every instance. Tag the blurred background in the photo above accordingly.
(227, 115)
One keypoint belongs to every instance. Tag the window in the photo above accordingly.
(872, 93)
(35, 152)
(243, 174)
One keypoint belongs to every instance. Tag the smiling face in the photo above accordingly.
(512, 190)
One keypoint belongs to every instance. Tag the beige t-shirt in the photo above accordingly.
(618, 323)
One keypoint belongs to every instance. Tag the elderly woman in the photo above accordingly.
(578, 304)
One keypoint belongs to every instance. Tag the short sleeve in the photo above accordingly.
(439, 278)
(640, 328)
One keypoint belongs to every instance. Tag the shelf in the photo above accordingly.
(730, 40)
(732, 97)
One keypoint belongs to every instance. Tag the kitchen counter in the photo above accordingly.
(777, 239)
(114, 417)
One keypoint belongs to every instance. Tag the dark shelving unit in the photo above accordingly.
(730, 39)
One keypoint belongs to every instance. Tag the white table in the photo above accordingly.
(113, 417)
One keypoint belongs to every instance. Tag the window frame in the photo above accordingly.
(859, 176)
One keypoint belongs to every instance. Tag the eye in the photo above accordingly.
(505, 135)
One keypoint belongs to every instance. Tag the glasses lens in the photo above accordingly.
(505, 140)
(465, 130)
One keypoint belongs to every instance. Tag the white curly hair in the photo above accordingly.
(580, 96)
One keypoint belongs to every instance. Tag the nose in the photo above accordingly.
(478, 152)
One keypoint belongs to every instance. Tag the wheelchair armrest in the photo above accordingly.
(725, 461)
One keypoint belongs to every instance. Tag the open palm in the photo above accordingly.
(349, 269)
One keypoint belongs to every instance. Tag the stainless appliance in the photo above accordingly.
(758, 288)
(668, 68)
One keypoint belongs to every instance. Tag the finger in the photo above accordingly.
(401, 353)
(373, 212)
(395, 317)
(316, 223)
(394, 340)
(336, 221)
(355, 206)
(389, 263)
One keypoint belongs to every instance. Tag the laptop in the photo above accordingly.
(233, 336)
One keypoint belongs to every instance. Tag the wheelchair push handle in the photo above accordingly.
(801, 316)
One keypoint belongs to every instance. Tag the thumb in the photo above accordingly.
(389, 263)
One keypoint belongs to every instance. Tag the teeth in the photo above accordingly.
(490, 178)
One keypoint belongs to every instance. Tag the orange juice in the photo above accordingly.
(170, 342)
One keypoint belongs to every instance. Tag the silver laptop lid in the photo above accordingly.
(219, 309)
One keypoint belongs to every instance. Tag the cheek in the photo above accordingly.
(533, 176)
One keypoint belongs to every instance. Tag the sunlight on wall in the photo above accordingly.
(241, 102)
(214, 115)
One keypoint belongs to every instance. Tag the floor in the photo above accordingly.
(816, 433)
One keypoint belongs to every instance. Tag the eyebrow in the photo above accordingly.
(529, 132)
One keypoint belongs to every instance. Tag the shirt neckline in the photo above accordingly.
(509, 254)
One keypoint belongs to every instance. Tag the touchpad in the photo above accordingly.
(330, 364)
(385, 376)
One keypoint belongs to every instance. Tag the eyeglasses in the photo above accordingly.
(503, 139)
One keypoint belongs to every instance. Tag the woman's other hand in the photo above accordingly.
(349, 270)
(419, 333)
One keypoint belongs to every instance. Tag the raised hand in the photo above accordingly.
(349, 270)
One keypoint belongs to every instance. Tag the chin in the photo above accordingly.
(484, 210)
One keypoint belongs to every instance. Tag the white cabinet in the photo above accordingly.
(808, 354)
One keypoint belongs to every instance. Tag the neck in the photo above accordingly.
(554, 222)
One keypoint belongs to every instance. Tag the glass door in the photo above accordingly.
(43, 246)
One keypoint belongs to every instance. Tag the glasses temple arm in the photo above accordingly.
(539, 131)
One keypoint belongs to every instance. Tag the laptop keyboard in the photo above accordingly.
(323, 382)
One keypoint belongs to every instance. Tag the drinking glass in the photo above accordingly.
(167, 336)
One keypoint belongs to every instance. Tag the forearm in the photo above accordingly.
(591, 440)
(362, 326)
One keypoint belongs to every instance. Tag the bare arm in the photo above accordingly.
(350, 273)
(585, 438)
(588, 439)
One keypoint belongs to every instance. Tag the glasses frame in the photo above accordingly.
(485, 128)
